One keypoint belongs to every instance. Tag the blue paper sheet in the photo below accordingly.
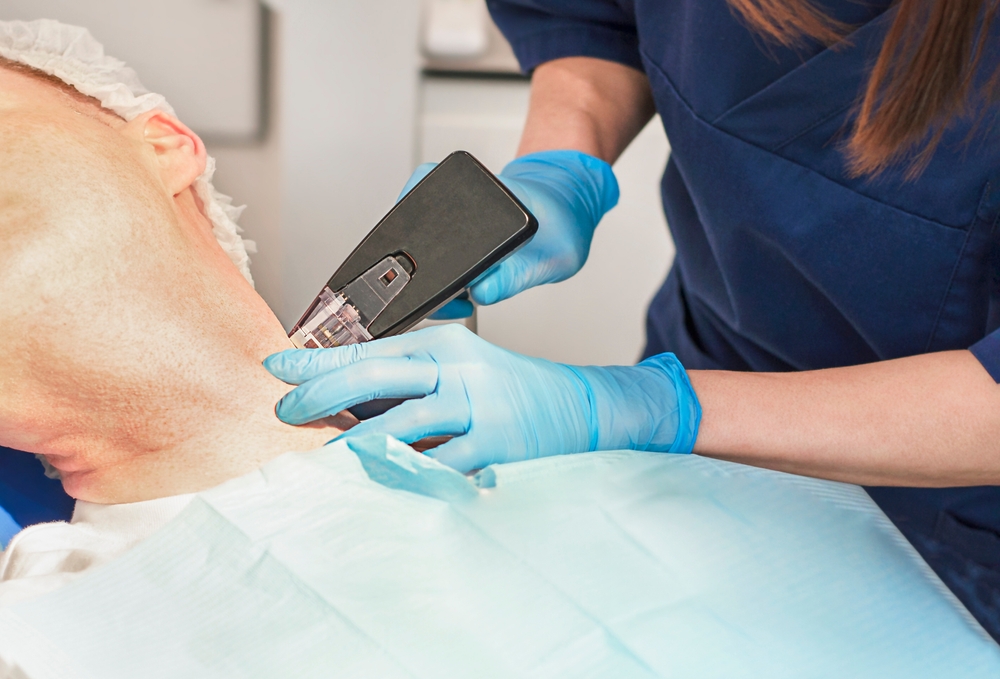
(601, 565)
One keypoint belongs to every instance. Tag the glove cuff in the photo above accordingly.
(593, 178)
(651, 406)
(590, 407)
(688, 407)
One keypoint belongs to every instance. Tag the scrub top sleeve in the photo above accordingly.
(987, 350)
(543, 30)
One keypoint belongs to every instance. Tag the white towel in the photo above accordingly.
(43, 558)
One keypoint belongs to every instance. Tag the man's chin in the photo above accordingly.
(82, 486)
(103, 486)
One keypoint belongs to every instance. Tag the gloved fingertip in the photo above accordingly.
(287, 410)
(281, 370)
(281, 412)
(287, 357)
(453, 310)
(486, 292)
(273, 362)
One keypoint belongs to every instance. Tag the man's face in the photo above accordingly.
(115, 299)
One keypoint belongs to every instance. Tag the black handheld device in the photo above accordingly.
(455, 224)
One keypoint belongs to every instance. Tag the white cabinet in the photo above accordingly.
(598, 316)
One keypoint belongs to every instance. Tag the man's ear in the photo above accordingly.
(180, 154)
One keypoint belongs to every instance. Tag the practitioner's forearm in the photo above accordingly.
(588, 105)
(931, 420)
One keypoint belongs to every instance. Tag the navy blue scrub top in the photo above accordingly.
(784, 261)
(27, 494)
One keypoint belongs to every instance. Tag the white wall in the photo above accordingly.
(340, 145)
(204, 55)
(252, 173)
(348, 80)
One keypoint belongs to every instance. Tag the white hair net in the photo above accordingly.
(71, 54)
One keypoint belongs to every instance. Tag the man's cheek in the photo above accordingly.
(14, 431)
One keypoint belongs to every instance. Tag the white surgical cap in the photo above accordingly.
(71, 54)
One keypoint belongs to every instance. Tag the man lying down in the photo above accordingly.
(130, 358)
(130, 344)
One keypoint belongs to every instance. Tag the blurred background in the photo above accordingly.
(318, 111)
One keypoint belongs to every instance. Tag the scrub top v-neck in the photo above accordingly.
(785, 261)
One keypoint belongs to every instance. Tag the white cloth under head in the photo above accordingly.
(71, 54)
(45, 557)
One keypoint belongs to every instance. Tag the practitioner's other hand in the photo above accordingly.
(568, 192)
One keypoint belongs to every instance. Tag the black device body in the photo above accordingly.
(455, 224)
(449, 229)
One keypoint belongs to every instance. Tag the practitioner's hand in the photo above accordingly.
(499, 406)
(568, 192)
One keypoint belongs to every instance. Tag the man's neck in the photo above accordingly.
(206, 451)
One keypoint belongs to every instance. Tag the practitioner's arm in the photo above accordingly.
(931, 420)
(589, 105)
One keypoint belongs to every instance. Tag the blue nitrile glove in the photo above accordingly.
(568, 192)
(500, 406)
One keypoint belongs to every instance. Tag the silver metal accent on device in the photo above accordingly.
(340, 318)
(372, 291)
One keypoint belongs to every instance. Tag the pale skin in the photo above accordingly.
(130, 346)
(930, 420)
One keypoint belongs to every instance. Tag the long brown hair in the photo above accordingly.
(924, 78)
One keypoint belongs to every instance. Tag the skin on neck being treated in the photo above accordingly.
(130, 345)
